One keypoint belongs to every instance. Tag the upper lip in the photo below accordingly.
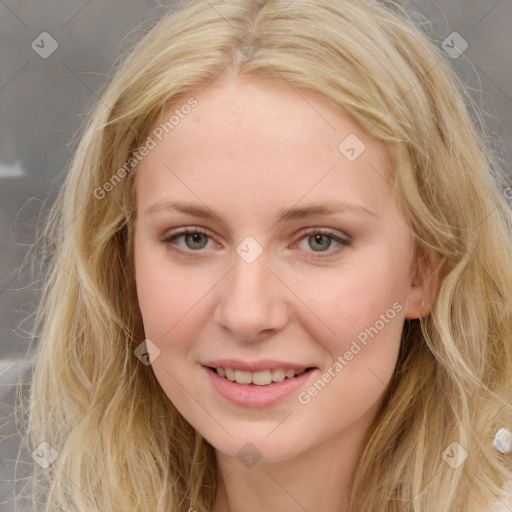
(255, 366)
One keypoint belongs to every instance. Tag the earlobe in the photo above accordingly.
(423, 289)
(415, 304)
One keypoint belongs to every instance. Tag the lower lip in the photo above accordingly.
(257, 396)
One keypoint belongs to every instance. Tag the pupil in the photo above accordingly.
(196, 239)
(319, 238)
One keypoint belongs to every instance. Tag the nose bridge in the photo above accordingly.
(251, 300)
(249, 279)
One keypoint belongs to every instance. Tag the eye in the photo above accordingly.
(320, 240)
(196, 238)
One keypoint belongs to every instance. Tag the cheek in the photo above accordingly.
(349, 303)
(361, 312)
(165, 295)
(166, 299)
(364, 316)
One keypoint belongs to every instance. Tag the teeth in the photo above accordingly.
(278, 375)
(261, 378)
(243, 377)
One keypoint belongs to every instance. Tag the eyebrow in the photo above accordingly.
(328, 208)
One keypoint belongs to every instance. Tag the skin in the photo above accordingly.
(249, 149)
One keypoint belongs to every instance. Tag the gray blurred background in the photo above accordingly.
(44, 98)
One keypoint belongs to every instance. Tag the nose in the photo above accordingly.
(253, 303)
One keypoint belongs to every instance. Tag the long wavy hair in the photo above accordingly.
(118, 442)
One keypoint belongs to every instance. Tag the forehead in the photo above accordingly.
(251, 141)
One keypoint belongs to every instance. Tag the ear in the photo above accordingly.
(424, 281)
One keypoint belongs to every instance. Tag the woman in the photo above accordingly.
(279, 276)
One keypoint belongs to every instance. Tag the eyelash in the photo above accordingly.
(316, 231)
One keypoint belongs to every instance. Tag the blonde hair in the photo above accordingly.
(121, 443)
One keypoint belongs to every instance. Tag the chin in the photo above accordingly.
(257, 448)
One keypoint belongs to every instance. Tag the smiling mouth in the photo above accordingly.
(260, 378)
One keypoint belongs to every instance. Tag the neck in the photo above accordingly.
(322, 474)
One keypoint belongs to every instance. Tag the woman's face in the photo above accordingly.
(302, 262)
